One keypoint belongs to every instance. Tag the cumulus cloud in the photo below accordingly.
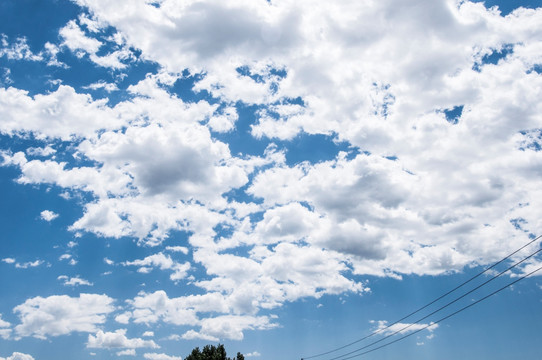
(61, 314)
(162, 356)
(5, 328)
(74, 281)
(163, 262)
(127, 352)
(18, 356)
(25, 265)
(441, 170)
(117, 339)
(48, 215)
(19, 50)
(404, 328)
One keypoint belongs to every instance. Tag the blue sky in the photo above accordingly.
(280, 177)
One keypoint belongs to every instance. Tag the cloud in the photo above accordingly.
(416, 192)
(163, 262)
(19, 50)
(18, 356)
(5, 329)
(45, 151)
(127, 352)
(26, 265)
(232, 327)
(102, 85)
(194, 335)
(156, 356)
(404, 328)
(253, 354)
(117, 339)
(180, 249)
(74, 281)
(61, 314)
(48, 215)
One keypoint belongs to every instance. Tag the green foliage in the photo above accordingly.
(211, 352)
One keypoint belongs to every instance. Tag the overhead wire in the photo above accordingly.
(342, 357)
(424, 306)
(447, 316)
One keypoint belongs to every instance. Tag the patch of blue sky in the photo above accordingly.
(36, 20)
(454, 114)
(184, 89)
(314, 148)
(494, 57)
(507, 6)
(334, 325)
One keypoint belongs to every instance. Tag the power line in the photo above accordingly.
(342, 357)
(425, 306)
(446, 317)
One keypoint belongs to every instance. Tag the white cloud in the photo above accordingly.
(9, 260)
(18, 356)
(5, 329)
(117, 339)
(65, 257)
(75, 39)
(74, 281)
(62, 113)
(19, 50)
(45, 151)
(48, 215)
(102, 85)
(232, 327)
(156, 356)
(123, 318)
(253, 354)
(29, 264)
(194, 335)
(127, 352)
(180, 249)
(60, 314)
(404, 328)
(163, 262)
(3, 324)
(148, 334)
(415, 194)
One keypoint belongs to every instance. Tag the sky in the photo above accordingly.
(282, 177)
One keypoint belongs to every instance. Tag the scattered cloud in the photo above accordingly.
(18, 356)
(117, 339)
(416, 188)
(404, 328)
(26, 265)
(127, 352)
(74, 281)
(156, 356)
(61, 314)
(48, 215)
(163, 262)
(5, 329)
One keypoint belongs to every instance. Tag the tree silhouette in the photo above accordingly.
(211, 352)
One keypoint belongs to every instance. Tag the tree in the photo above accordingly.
(211, 352)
